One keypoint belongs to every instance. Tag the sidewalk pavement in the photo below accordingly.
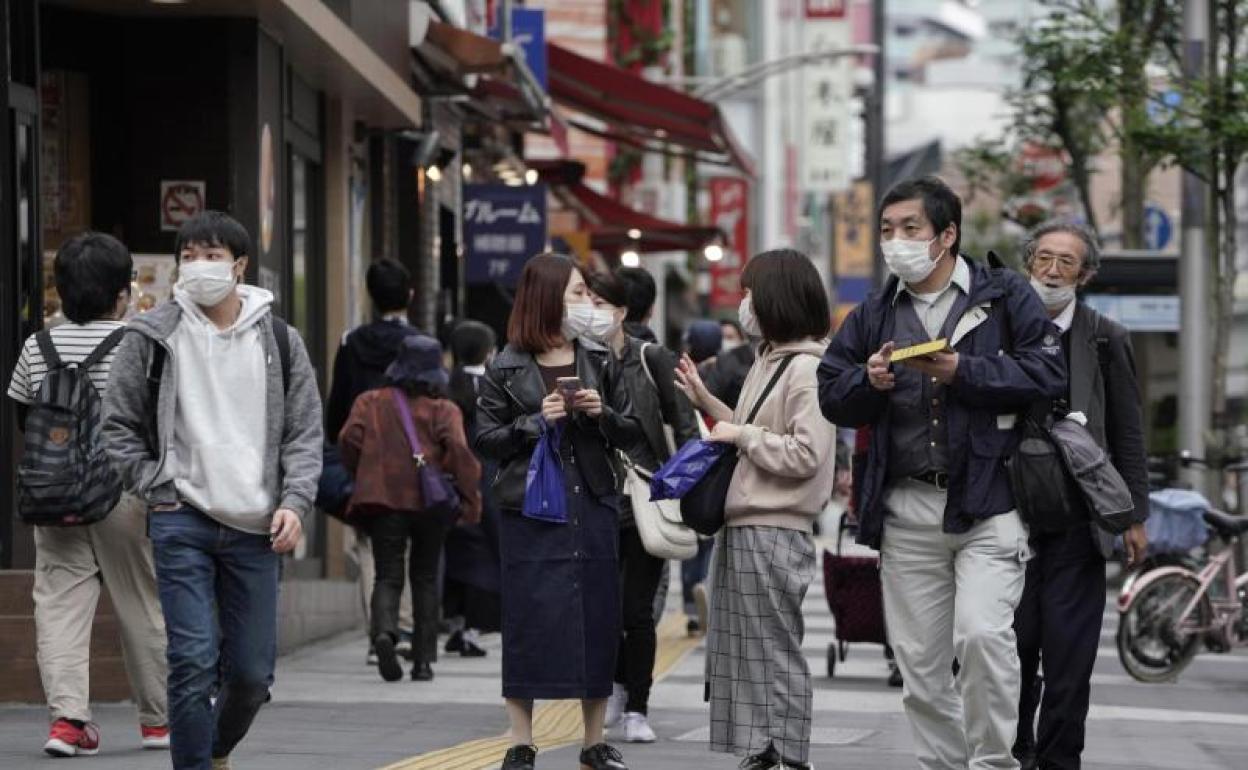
(330, 711)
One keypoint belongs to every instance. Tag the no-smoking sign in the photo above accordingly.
(179, 201)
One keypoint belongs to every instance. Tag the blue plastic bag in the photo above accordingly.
(1176, 521)
(544, 495)
(685, 469)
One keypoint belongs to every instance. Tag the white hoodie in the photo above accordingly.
(219, 427)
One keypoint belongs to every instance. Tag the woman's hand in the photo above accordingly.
(689, 380)
(554, 408)
(588, 401)
(725, 433)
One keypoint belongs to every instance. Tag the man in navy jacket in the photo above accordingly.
(934, 496)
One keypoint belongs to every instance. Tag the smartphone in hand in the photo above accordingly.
(568, 388)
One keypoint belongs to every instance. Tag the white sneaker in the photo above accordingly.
(616, 703)
(637, 729)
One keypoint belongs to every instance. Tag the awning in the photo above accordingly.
(611, 224)
(624, 107)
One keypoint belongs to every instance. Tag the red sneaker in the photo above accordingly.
(65, 740)
(155, 737)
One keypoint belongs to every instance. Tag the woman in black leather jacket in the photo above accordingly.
(560, 581)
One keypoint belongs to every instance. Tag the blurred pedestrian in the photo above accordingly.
(360, 366)
(93, 272)
(703, 340)
(471, 594)
(935, 496)
(212, 415)
(561, 581)
(758, 678)
(1058, 621)
(733, 334)
(648, 375)
(725, 375)
(389, 499)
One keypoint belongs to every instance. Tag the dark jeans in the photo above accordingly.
(693, 571)
(1059, 622)
(639, 579)
(209, 576)
(390, 533)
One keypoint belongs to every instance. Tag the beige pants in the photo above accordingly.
(361, 548)
(70, 565)
(953, 596)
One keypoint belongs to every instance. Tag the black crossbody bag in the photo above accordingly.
(702, 507)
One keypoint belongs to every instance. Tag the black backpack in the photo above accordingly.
(65, 477)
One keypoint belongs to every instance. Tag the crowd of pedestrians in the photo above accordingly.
(210, 418)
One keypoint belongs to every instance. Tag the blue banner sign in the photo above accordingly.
(503, 227)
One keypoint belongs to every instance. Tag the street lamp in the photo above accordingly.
(713, 253)
(630, 258)
(721, 88)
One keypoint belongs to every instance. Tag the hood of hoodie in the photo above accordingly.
(256, 303)
(815, 348)
(374, 344)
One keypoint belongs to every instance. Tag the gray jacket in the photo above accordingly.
(138, 434)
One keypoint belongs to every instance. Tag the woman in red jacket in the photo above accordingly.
(388, 502)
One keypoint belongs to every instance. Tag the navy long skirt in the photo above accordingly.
(561, 599)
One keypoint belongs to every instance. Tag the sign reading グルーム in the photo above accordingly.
(503, 227)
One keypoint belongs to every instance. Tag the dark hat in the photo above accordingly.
(704, 339)
(419, 359)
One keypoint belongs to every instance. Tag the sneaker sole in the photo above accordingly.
(58, 748)
(156, 744)
(388, 660)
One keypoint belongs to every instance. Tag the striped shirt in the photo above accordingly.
(74, 342)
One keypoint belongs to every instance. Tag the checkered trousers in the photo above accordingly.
(757, 677)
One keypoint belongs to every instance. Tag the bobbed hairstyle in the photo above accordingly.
(787, 295)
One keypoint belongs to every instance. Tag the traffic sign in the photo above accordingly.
(1158, 229)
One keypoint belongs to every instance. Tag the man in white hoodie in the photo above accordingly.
(212, 415)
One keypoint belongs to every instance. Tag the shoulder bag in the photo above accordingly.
(437, 492)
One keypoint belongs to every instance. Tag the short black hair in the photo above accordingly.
(642, 292)
(213, 228)
(471, 343)
(787, 296)
(609, 286)
(389, 285)
(734, 323)
(941, 205)
(91, 269)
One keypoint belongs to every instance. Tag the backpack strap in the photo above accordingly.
(281, 335)
(784, 364)
(103, 349)
(48, 350)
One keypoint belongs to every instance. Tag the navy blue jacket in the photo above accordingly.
(1004, 364)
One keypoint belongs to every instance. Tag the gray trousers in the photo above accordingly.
(950, 597)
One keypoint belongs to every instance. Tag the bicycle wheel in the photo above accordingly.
(1152, 645)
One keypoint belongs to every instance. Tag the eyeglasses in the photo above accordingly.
(1066, 263)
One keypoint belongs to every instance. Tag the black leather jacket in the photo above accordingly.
(509, 417)
(655, 404)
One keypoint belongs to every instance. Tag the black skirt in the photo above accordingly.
(561, 598)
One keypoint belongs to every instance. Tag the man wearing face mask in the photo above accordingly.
(212, 415)
(934, 496)
(1059, 619)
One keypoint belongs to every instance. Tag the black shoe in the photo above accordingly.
(768, 760)
(422, 672)
(471, 650)
(602, 756)
(455, 643)
(387, 658)
(520, 758)
(693, 627)
(894, 676)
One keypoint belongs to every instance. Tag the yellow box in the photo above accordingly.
(916, 351)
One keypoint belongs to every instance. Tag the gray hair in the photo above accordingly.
(1091, 248)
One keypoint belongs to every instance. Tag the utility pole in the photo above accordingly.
(875, 130)
(1195, 356)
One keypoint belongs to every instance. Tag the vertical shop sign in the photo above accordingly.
(730, 206)
(826, 107)
(528, 30)
(503, 227)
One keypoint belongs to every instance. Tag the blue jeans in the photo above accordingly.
(218, 590)
(693, 571)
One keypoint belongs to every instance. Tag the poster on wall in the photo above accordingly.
(503, 227)
(730, 205)
(180, 199)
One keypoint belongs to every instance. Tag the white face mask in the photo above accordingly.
(909, 260)
(602, 326)
(749, 322)
(206, 283)
(730, 346)
(1054, 297)
(578, 320)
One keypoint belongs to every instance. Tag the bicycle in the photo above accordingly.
(1167, 613)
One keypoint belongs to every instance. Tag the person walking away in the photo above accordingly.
(93, 273)
(647, 372)
(471, 592)
(935, 498)
(389, 500)
(360, 366)
(764, 562)
(212, 416)
(1059, 618)
(561, 580)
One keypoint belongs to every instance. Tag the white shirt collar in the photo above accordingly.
(1066, 317)
(961, 278)
(399, 316)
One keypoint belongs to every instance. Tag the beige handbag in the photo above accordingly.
(663, 534)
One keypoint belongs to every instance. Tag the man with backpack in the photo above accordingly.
(88, 532)
(1063, 605)
(934, 496)
(213, 416)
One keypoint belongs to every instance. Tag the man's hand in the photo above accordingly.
(942, 366)
(285, 530)
(725, 433)
(1135, 543)
(877, 369)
